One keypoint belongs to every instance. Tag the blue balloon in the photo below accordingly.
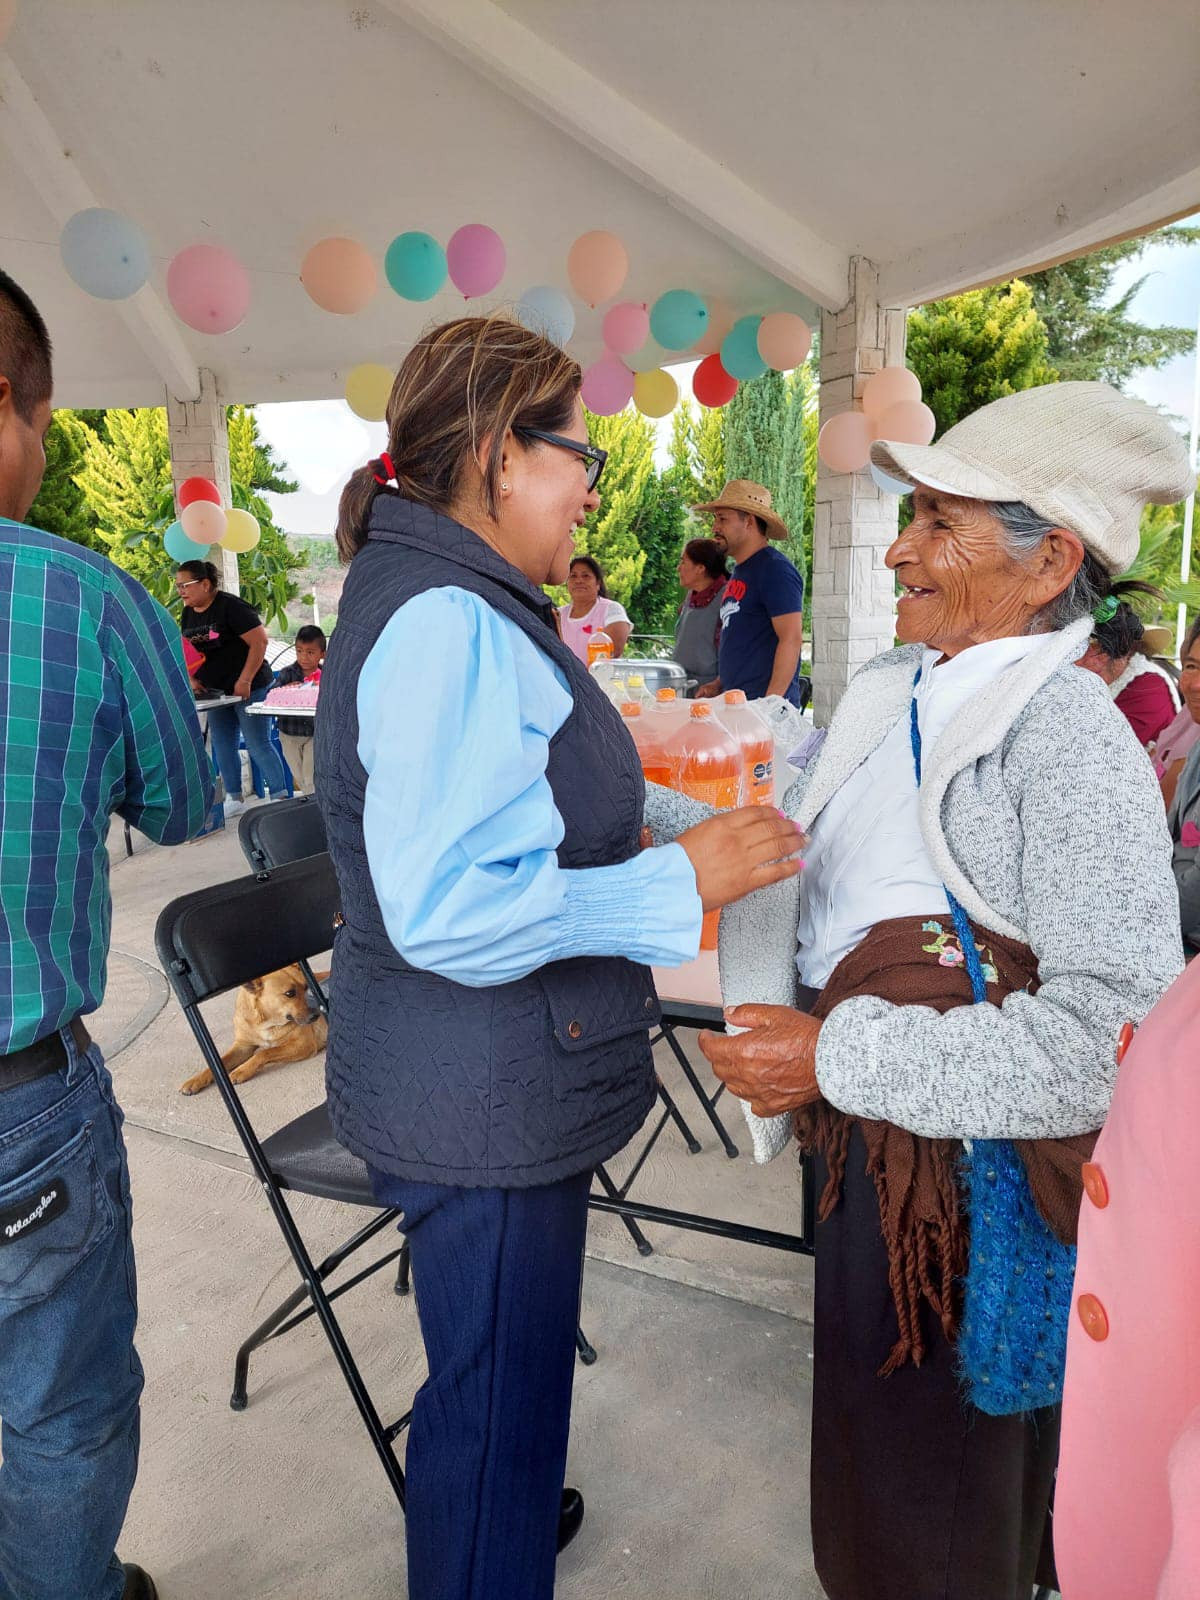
(180, 548)
(547, 311)
(105, 253)
(739, 351)
(885, 481)
(678, 319)
(415, 266)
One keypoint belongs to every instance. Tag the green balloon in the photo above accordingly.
(415, 266)
(180, 548)
(739, 352)
(678, 319)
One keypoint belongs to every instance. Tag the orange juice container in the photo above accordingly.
(655, 766)
(757, 746)
(706, 764)
(668, 712)
(600, 647)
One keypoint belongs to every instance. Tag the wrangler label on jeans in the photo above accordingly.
(35, 1211)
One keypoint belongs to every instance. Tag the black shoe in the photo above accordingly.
(139, 1585)
(570, 1517)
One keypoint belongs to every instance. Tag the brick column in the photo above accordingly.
(853, 607)
(199, 441)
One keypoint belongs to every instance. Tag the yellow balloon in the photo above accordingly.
(655, 393)
(242, 532)
(368, 387)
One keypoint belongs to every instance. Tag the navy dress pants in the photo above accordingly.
(497, 1274)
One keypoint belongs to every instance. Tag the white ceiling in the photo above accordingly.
(745, 149)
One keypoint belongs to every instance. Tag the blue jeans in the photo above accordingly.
(224, 724)
(70, 1379)
(496, 1274)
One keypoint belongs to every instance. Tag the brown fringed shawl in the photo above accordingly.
(918, 961)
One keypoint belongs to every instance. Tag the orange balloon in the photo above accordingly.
(907, 422)
(339, 275)
(597, 265)
(721, 318)
(844, 442)
(887, 388)
(784, 340)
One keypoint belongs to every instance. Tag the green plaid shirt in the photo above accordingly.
(96, 717)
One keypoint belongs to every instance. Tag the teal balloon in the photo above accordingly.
(105, 253)
(180, 548)
(548, 311)
(678, 319)
(415, 266)
(739, 352)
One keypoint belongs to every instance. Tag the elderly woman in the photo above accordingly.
(984, 827)
(703, 572)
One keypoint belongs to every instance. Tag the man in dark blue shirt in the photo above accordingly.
(762, 609)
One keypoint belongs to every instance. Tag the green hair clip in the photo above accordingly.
(1107, 609)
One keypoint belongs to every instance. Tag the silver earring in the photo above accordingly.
(504, 487)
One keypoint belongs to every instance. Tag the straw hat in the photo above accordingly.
(743, 494)
(1082, 455)
(1159, 641)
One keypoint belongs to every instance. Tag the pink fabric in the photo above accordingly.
(1175, 741)
(577, 630)
(1129, 1468)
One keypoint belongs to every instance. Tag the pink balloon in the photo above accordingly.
(844, 442)
(721, 318)
(626, 327)
(907, 422)
(339, 275)
(209, 288)
(887, 388)
(597, 265)
(784, 340)
(476, 258)
(607, 386)
(203, 522)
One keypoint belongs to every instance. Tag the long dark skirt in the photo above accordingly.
(916, 1495)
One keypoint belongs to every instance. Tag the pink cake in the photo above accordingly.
(293, 697)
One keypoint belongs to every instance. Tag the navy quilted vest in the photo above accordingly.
(525, 1082)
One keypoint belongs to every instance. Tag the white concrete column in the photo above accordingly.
(853, 607)
(199, 441)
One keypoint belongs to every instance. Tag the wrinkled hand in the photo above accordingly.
(737, 851)
(773, 1064)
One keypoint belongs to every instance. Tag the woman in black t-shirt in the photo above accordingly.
(230, 637)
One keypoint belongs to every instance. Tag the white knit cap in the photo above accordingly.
(1082, 455)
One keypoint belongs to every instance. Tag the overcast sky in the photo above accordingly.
(323, 441)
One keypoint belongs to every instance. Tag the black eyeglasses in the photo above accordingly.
(594, 457)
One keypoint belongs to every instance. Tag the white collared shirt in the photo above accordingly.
(867, 861)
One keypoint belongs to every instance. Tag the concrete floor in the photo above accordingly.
(690, 1436)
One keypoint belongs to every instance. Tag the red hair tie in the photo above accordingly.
(385, 461)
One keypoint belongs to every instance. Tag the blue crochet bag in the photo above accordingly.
(1012, 1343)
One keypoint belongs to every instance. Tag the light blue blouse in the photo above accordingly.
(456, 710)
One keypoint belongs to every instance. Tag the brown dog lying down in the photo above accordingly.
(273, 1022)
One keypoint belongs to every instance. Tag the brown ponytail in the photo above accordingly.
(460, 382)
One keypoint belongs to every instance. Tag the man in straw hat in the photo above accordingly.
(762, 610)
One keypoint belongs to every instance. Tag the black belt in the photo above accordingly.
(45, 1056)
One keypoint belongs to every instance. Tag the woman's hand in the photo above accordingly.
(738, 851)
(707, 691)
(773, 1065)
(242, 687)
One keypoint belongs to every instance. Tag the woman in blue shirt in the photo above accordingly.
(491, 993)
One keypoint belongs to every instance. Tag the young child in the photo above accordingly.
(296, 733)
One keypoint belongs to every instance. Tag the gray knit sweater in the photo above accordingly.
(1041, 812)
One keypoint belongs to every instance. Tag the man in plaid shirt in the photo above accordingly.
(96, 717)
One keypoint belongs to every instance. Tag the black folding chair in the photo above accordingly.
(208, 943)
(286, 830)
